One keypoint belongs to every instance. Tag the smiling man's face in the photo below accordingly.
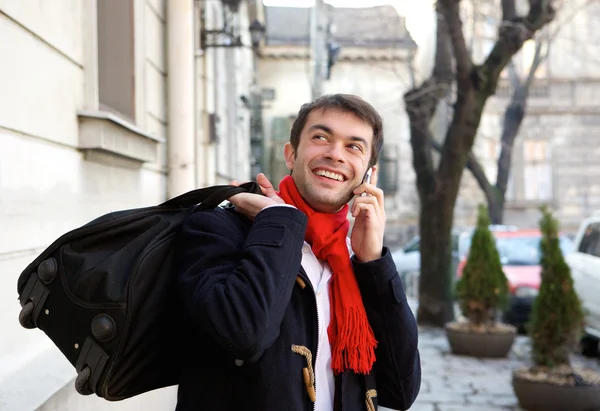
(332, 158)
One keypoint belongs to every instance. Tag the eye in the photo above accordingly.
(356, 147)
(320, 137)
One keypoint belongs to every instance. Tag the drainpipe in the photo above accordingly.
(180, 101)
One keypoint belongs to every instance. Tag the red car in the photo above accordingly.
(520, 256)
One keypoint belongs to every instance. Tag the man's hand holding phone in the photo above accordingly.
(369, 219)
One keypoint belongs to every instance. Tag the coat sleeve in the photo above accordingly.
(235, 283)
(397, 368)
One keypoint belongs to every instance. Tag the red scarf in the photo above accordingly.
(350, 335)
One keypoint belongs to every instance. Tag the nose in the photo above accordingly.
(335, 153)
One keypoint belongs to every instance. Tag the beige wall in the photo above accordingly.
(47, 185)
(52, 179)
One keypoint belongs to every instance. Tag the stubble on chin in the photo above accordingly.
(334, 200)
(311, 193)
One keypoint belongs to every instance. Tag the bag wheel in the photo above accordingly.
(25, 315)
(81, 382)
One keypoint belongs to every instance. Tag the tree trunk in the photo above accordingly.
(438, 189)
(435, 302)
(436, 305)
(496, 207)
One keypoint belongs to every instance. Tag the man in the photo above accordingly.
(283, 318)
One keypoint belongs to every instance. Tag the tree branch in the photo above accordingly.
(421, 103)
(516, 109)
(547, 37)
(535, 63)
(513, 75)
(511, 36)
(476, 170)
(509, 10)
(566, 19)
(450, 9)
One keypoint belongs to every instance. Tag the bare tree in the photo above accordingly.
(438, 186)
(520, 86)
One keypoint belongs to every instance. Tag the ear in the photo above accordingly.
(290, 156)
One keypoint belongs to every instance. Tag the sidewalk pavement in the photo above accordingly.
(453, 383)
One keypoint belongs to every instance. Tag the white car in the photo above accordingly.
(585, 269)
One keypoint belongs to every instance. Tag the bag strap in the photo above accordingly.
(210, 197)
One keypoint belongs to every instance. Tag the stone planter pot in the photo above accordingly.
(481, 344)
(546, 396)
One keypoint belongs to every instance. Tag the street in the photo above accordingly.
(453, 383)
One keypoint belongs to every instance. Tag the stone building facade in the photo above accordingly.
(555, 153)
(105, 105)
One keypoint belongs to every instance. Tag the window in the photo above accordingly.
(590, 242)
(413, 245)
(116, 80)
(537, 172)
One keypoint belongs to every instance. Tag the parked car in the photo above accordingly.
(408, 262)
(520, 256)
(408, 258)
(585, 269)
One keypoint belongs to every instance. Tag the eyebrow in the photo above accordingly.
(328, 130)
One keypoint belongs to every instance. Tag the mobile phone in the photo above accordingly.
(367, 178)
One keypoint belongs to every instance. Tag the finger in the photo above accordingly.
(374, 176)
(371, 201)
(365, 209)
(234, 183)
(377, 192)
(380, 198)
(266, 185)
(376, 201)
(361, 190)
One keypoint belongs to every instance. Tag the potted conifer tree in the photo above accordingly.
(482, 292)
(551, 383)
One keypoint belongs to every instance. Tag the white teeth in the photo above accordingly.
(328, 174)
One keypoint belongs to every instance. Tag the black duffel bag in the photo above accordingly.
(105, 294)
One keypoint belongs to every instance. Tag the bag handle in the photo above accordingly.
(210, 197)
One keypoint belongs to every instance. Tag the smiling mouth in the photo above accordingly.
(330, 175)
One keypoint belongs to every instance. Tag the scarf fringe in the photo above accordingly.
(350, 334)
(352, 350)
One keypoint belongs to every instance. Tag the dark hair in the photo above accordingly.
(344, 102)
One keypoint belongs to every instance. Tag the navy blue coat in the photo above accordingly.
(247, 310)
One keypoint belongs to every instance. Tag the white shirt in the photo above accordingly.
(319, 275)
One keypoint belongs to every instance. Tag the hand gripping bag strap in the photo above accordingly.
(210, 197)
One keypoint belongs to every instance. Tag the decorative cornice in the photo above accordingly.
(348, 54)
